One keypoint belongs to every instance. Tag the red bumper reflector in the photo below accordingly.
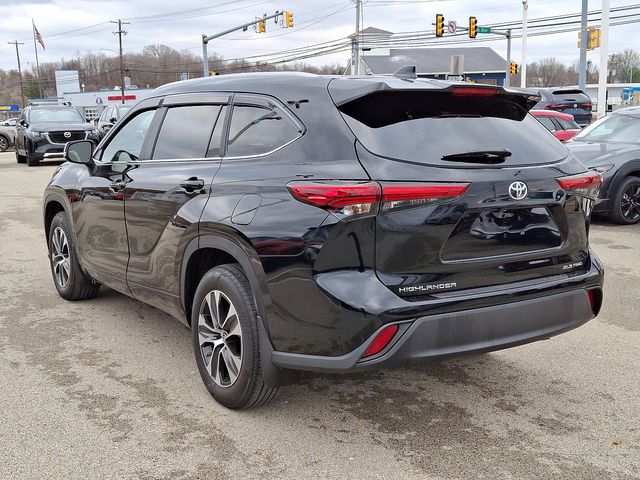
(381, 341)
(595, 299)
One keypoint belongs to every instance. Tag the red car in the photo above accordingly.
(562, 125)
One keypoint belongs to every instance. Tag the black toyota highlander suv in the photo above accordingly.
(43, 131)
(329, 224)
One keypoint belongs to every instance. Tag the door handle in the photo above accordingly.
(191, 184)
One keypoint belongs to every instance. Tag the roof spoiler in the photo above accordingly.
(406, 73)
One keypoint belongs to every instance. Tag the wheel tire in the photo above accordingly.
(20, 158)
(248, 389)
(62, 258)
(4, 143)
(32, 162)
(628, 191)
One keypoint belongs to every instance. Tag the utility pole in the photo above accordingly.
(357, 37)
(603, 73)
(582, 67)
(16, 43)
(507, 79)
(523, 64)
(121, 32)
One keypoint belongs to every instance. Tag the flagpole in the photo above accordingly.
(35, 47)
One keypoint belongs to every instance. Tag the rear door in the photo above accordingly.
(165, 195)
(470, 191)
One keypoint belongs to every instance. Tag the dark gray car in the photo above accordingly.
(611, 146)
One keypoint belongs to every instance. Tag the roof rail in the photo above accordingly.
(407, 72)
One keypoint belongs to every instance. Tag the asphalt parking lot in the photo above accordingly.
(108, 388)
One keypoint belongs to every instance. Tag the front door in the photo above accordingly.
(165, 196)
(98, 207)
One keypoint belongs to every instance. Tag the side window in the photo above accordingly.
(186, 132)
(258, 130)
(568, 125)
(126, 144)
(547, 122)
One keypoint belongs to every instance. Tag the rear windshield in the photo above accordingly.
(570, 96)
(425, 126)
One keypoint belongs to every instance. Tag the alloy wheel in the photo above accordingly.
(4, 145)
(60, 257)
(630, 204)
(220, 338)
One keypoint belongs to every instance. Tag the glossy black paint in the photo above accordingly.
(323, 284)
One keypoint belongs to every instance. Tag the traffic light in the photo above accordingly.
(439, 25)
(473, 27)
(262, 26)
(593, 38)
(288, 19)
(513, 68)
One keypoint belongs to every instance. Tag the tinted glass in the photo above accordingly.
(258, 130)
(186, 132)
(424, 126)
(45, 115)
(614, 128)
(547, 122)
(126, 144)
(568, 124)
(575, 96)
(216, 137)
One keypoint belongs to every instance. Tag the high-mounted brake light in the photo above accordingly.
(473, 92)
(381, 341)
(346, 198)
(584, 184)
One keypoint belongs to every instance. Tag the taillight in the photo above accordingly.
(584, 184)
(381, 341)
(342, 198)
(402, 195)
(595, 299)
(586, 106)
(347, 198)
(555, 106)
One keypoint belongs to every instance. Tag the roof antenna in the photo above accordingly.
(408, 72)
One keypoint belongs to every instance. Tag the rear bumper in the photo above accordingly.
(482, 329)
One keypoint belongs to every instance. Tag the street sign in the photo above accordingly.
(451, 26)
(10, 108)
(484, 29)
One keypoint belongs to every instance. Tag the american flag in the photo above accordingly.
(36, 33)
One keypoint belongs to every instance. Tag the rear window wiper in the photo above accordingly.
(481, 156)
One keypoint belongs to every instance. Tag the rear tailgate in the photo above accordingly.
(573, 102)
(489, 233)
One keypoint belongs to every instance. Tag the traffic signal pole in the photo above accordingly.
(507, 79)
(603, 71)
(582, 66)
(207, 38)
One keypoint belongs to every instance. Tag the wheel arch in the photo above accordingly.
(53, 204)
(210, 249)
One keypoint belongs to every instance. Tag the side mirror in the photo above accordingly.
(79, 151)
(113, 120)
(22, 122)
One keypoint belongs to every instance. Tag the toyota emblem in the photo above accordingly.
(518, 190)
(67, 134)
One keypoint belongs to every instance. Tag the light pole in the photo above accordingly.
(523, 65)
